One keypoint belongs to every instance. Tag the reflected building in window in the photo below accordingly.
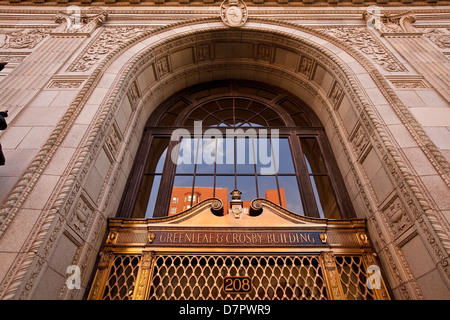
(223, 194)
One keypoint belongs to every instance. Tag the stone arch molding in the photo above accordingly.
(140, 74)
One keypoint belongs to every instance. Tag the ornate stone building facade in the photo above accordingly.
(81, 79)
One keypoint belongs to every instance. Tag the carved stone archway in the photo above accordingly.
(325, 73)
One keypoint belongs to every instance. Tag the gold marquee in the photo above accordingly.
(269, 253)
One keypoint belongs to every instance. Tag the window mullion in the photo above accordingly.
(167, 179)
(306, 189)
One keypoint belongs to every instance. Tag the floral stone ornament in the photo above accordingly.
(233, 13)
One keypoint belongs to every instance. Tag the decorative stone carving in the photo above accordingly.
(109, 39)
(203, 52)
(112, 142)
(336, 94)
(306, 66)
(363, 40)
(396, 216)
(133, 94)
(401, 84)
(391, 23)
(439, 36)
(78, 23)
(360, 142)
(84, 213)
(162, 67)
(65, 84)
(12, 58)
(21, 38)
(264, 52)
(233, 13)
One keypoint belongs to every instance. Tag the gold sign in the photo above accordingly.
(237, 284)
(237, 239)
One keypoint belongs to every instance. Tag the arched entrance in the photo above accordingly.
(206, 217)
(240, 135)
(127, 87)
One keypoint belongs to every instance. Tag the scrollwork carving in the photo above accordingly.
(392, 23)
(22, 38)
(69, 23)
(439, 36)
(365, 42)
(104, 43)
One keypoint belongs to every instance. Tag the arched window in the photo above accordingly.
(211, 139)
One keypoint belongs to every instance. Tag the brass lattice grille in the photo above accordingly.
(353, 278)
(273, 277)
(121, 279)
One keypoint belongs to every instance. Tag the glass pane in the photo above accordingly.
(276, 123)
(225, 114)
(267, 188)
(257, 121)
(199, 114)
(325, 200)
(301, 120)
(157, 155)
(203, 189)
(207, 158)
(211, 121)
(226, 103)
(153, 196)
(146, 200)
(245, 156)
(177, 107)
(283, 157)
(182, 191)
(313, 156)
(289, 107)
(167, 120)
(225, 156)
(265, 163)
(244, 114)
(290, 194)
(247, 185)
(224, 186)
(241, 103)
(256, 107)
(186, 151)
(269, 114)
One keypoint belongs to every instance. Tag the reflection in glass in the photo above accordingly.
(324, 197)
(225, 156)
(283, 157)
(247, 185)
(290, 194)
(267, 188)
(203, 188)
(207, 157)
(313, 156)
(182, 190)
(224, 185)
(245, 155)
(265, 163)
(157, 155)
(186, 151)
(140, 210)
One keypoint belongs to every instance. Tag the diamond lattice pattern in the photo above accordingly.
(273, 277)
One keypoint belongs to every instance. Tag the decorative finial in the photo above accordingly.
(236, 195)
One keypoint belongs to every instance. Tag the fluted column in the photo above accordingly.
(422, 55)
(20, 87)
(426, 59)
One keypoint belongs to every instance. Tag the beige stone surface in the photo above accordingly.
(100, 178)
